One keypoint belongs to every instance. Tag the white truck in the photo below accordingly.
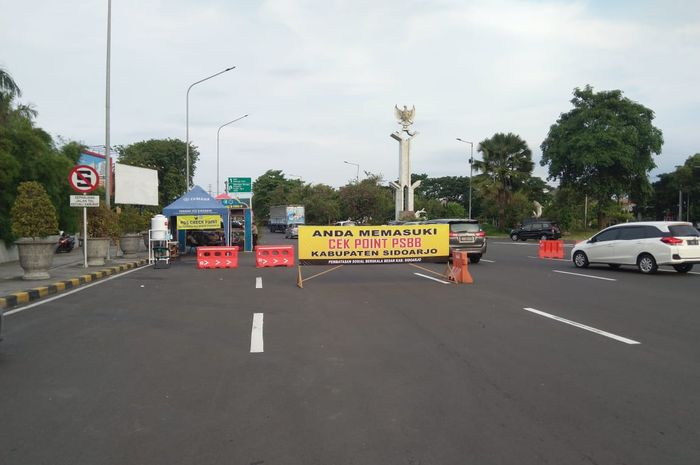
(282, 216)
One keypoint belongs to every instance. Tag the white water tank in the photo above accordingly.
(159, 228)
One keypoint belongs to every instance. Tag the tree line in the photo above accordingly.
(598, 156)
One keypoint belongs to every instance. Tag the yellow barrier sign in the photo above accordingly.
(199, 222)
(364, 245)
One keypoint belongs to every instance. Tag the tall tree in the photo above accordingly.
(684, 180)
(507, 165)
(27, 153)
(322, 204)
(272, 188)
(367, 200)
(167, 156)
(603, 146)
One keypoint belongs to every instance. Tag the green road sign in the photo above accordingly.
(236, 185)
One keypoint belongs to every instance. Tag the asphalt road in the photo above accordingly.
(365, 365)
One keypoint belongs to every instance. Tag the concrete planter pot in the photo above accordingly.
(36, 257)
(97, 248)
(130, 244)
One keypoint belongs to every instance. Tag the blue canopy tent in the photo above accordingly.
(196, 202)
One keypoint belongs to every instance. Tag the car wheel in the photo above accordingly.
(513, 237)
(647, 264)
(580, 260)
(543, 237)
(614, 266)
(474, 258)
(683, 267)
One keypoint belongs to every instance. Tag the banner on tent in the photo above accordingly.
(199, 222)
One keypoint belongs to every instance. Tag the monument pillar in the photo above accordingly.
(403, 189)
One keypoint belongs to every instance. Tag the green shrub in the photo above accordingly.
(102, 222)
(33, 214)
(132, 221)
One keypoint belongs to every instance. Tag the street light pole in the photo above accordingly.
(471, 163)
(187, 124)
(218, 131)
(357, 176)
(108, 160)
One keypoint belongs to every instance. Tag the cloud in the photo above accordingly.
(320, 79)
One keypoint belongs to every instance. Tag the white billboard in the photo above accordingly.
(134, 185)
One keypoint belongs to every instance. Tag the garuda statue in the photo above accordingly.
(405, 116)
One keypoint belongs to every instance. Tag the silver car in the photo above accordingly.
(292, 231)
(465, 235)
(644, 244)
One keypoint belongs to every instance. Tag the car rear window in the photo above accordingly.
(683, 230)
(464, 227)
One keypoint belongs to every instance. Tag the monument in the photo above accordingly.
(404, 189)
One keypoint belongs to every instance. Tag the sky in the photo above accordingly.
(319, 79)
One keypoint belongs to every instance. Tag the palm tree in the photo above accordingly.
(507, 162)
(8, 91)
(8, 87)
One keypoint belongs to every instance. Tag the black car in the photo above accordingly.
(541, 229)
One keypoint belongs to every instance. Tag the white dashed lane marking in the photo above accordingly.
(257, 344)
(582, 326)
(585, 275)
(431, 278)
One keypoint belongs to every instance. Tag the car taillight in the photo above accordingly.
(453, 234)
(481, 234)
(671, 240)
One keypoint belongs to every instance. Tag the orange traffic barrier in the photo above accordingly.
(459, 272)
(274, 255)
(217, 257)
(551, 249)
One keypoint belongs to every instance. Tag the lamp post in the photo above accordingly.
(471, 163)
(218, 131)
(357, 176)
(108, 160)
(187, 125)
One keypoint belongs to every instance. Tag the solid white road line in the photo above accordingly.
(585, 275)
(81, 288)
(674, 271)
(488, 261)
(579, 325)
(258, 282)
(430, 277)
(256, 335)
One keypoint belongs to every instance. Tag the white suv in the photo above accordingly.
(647, 245)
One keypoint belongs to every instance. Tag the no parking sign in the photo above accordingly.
(84, 179)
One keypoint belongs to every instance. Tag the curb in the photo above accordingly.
(30, 295)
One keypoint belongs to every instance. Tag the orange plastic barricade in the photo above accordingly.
(217, 257)
(460, 268)
(274, 255)
(551, 249)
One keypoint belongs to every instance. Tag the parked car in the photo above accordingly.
(292, 231)
(646, 245)
(465, 235)
(542, 229)
(344, 223)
